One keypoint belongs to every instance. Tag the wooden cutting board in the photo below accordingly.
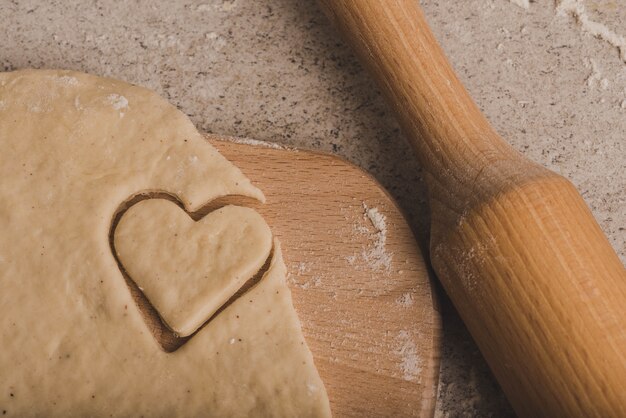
(359, 283)
(358, 280)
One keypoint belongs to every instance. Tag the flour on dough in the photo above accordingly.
(73, 148)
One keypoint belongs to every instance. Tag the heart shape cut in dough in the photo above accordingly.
(189, 269)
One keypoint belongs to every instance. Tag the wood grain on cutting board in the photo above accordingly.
(363, 294)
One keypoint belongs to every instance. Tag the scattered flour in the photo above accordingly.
(576, 9)
(377, 219)
(525, 4)
(77, 103)
(299, 279)
(254, 142)
(311, 388)
(34, 108)
(67, 80)
(215, 40)
(361, 229)
(224, 6)
(623, 104)
(227, 5)
(2, 104)
(303, 267)
(595, 72)
(405, 300)
(596, 75)
(410, 363)
(118, 102)
(377, 257)
(314, 282)
(604, 83)
(168, 41)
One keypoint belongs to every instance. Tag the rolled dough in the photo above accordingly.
(73, 148)
(188, 269)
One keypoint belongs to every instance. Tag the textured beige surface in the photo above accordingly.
(74, 149)
(276, 71)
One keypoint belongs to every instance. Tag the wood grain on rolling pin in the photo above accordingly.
(515, 246)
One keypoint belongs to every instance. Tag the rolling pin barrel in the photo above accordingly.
(515, 246)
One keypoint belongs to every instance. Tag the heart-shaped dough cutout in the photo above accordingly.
(189, 269)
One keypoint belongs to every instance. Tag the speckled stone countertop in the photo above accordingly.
(276, 71)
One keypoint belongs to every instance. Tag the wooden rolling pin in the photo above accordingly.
(514, 244)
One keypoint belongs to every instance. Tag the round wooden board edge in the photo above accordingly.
(433, 365)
